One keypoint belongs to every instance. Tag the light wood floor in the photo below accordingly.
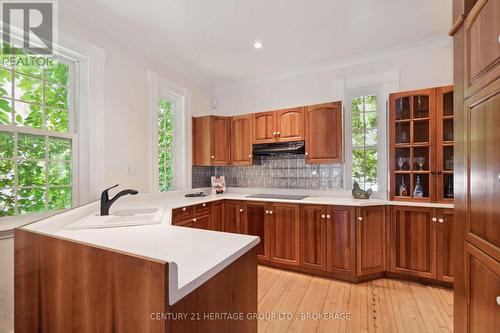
(383, 305)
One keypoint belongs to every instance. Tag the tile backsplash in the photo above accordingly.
(281, 171)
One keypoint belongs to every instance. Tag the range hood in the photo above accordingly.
(266, 149)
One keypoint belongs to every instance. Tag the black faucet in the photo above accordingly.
(106, 202)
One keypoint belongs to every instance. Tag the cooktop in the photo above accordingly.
(278, 196)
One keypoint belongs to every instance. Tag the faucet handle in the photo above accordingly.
(109, 188)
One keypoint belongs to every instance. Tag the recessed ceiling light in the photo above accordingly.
(257, 44)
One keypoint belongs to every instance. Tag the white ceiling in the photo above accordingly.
(211, 41)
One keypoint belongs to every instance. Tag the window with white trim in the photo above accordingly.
(365, 141)
(165, 144)
(37, 137)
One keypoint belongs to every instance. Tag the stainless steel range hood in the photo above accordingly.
(266, 149)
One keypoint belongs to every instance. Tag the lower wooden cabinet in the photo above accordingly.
(218, 213)
(370, 240)
(234, 217)
(284, 232)
(313, 237)
(257, 224)
(421, 242)
(482, 283)
(201, 222)
(340, 240)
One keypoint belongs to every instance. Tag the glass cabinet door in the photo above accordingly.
(445, 144)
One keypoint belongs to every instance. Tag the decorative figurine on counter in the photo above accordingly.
(358, 193)
(218, 184)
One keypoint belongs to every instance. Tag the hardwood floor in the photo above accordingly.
(383, 305)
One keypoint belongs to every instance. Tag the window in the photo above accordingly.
(165, 145)
(365, 141)
(37, 142)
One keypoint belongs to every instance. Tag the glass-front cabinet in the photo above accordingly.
(421, 145)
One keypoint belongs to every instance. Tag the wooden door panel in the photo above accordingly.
(256, 222)
(483, 222)
(201, 141)
(413, 241)
(285, 233)
(233, 220)
(482, 48)
(221, 137)
(313, 237)
(264, 127)
(371, 240)
(218, 213)
(445, 245)
(290, 124)
(483, 287)
(202, 222)
(340, 240)
(241, 140)
(323, 133)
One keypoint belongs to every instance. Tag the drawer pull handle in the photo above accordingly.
(183, 209)
(194, 220)
(204, 205)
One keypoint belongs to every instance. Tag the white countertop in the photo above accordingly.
(193, 255)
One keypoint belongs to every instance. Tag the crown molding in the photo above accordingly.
(407, 48)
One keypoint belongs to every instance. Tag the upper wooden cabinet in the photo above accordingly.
(421, 145)
(211, 135)
(323, 133)
(278, 126)
(482, 45)
(241, 140)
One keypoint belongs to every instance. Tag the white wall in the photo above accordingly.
(426, 68)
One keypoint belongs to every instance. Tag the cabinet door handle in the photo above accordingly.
(183, 209)
(249, 156)
(328, 216)
(241, 210)
(440, 220)
(212, 157)
(278, 133)
(271, 212)
(267, 212)
(307, 153)
(498, 300)
(360, 218)
(204, 205)
(274, 133)
(434, 219)
(194, 220)
(322, 216)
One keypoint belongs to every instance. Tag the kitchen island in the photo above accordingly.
(153, 277)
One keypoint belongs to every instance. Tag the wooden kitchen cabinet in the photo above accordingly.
(445, 245)
(241, 140)
(284, 231)
(482, 283)
(279, 126)
(257, 224)
(340, 240)
(323, 133)
(370, 240)
(211, 141)
(413, 241)
(313, 237)
(197, 216)
(218, 213)
(234, 219)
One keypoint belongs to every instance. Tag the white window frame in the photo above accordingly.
(179, 96)
(381, 85)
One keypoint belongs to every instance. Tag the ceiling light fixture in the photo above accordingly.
(257, 44)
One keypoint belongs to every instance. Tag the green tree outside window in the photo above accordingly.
(165, 145)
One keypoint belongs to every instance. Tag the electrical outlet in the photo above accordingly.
(131, 170)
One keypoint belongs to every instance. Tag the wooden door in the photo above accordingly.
(264, 127)
(284, 222)
(340, 240)
(482, 281)
(313, 237)
(370, 240)
(444, 144)
(323, 133)
(290, 124)
(201, 141)
(234, 218)
(241, 140)
(218, 213)
(482, 225)
(257, 225)
(482, 47)
(445, 245)
(220, 132)
(413, 241)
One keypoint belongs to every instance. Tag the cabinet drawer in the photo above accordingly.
(201, 222)
(181, 214)
(482, 45)
(202, 209)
